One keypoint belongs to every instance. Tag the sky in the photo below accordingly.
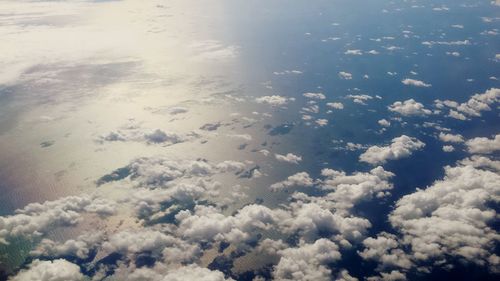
(249, 140)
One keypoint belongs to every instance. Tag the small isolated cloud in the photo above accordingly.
(448, 148)
(384, 123)
(409, 108)
(335, 105)
(360, 99)
(321, 122)
(285, 72)
(345, 75)
(274, 100)
(400, 147)
(289, 158)
(355, 52)
(318, 96)
(444, 137)
(416, 83)
(483, 145)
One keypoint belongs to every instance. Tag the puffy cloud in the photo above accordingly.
(159, 171)
(289, 157)
(384, 123)
(409, 108)
(188, 272)
(80, 247)
(152, 137)
(481, 162)
(386, 250)
(318, 96)
(159, 136)
(394, 275)
(451, 217)
(451, 138)
(361, 99)
(448, 148)
(194, 273)
(37, 218)
(335, 105)
(473, 107)
(416, 83)
(354, 52)
(345, 75)
(400, 147)
(347, 190)
(298, 179)
(307, 262)
(484, 145)
(56, 270)
(274, 100)
(322, 122)
(208, 224)
(172, 249)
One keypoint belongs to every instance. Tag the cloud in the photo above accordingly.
(307, 262)
(394, 275)
(384, 123)
(345, 75)
(473, 107)
(194, 273)
(285, 72)
(416, 83)
(56, 270)
(321, 122)
(80, 247)
(159, 136)
(386, 250)
(36, 219)
(289, 157)
(448, 148)
(447, 43)
(483, 145)
(318, 96)
(452, 217)
(134, 133)
(309, 220)
(208, 224)
(361, 99)
(451, 138)
(159, 171)
(400, 147)
(158, 273)
(354, 52)
(298, 179)
(409, 108)
(347, 190)
(274, 100)
(169, 249)
(335, 105)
